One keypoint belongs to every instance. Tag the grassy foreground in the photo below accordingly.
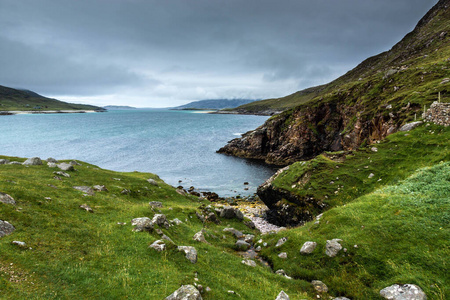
(395, 230)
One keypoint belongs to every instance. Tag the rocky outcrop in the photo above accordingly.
(438, 113)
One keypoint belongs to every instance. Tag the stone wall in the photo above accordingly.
(438, 113)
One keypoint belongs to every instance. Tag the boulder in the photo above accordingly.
(200, 237)
(236, 233)
(142, 224)
(51, 165)
(249, 238)
(100, 188)
(34, 161)
(185, 292)
(211, 217)
(281, 242)
(158, 245)
(410, 126)
(229, 212)
(62, 174)
(176, 221)
(319, 286)
(282, 273)
(191, 253)
(52, 160)
(86, 207)
(249, 262)
(242, 245)
(85, 189)
(160, 220)
(403, 292)
(282, 255)
(7, 199)
(65, 167)
(308, 247)
(4, 161)
(282, 296)
(19, 243)
(5, 228)
(74, 163)
(156, 204)
(152, 182)
(333, 247)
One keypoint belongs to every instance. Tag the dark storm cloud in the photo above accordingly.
(158, 52)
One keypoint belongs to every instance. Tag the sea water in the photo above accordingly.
(178, 146)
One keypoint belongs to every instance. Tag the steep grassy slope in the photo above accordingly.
(363, 106)
(397, 234)
(12, 99)
(74, 254)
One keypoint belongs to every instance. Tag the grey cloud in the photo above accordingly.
(260, 48)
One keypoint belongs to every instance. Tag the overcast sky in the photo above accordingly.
(160, 53)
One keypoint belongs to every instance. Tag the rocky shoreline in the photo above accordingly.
(29, 112)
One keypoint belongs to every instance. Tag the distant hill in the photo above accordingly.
(118, 107)
(214, 104)
(25, 100)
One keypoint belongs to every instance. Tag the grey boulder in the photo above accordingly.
(5, 228)
(403, 292)
(191, 253)
(158, 245)
(34, 161)
(185, 292)
(7, 199)
(242, 245)
(152, 182)
(4, 161)
(308, 247)
(160, 220)
(333, 247)
(65, 167)
(85, 189)
(410, 126)
(142, 224)
(229, 212)
(282, 296)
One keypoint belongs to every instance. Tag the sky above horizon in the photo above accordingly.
(153, 53)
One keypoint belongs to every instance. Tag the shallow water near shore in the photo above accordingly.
(175, 145)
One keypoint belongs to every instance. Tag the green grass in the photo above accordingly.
(338, 178)
(401, 233)
(75, 254)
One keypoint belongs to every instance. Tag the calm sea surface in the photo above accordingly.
(176, 145)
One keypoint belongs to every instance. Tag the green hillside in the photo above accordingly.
(23, 100)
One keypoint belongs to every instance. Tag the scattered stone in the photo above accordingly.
(208, 289)
(371, 175)
(152, 182)
(14, 163)
(185, 292)
(142, 224)
(410, 126)
(121, 223)
(51, 165)
(34, 161)
(7, 199)
(5, 228)
(282, 296)
(158, 245)
(229, 212)
(86, 207)
(341, 298)
(160, 220)
(333, 247)
(191, 253)
(282, 255)
(62, 174)
(236, 233)
(308, 247)
(85, 189)
(19, 243)
(249, 262)
(181, 192)
(52, 160)
(242, 245)
(200, 237)
(282, 273)
(319, 286)
(258, 249)
(403, 292)
(117, 179)
(125, 192)
(212, 218)
(156, 204)
(374, 149)
(100, 188)
(445, 80)
(4, 161)
(176, 221)
(281, 242)
(65, 167)
(249, 238)
(74, 163)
